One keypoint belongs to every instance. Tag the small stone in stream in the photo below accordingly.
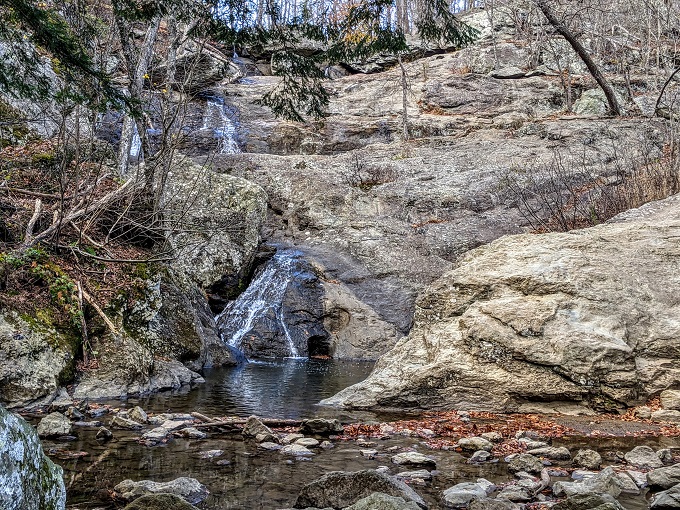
(475, 443)
(321, 426)
(480, 456)
(369, 453)
(340, 489)
(514, 493)
(525, 462)
(492, 504)
(462, 494)
(73, 413)
(224, 462)
(190, 489)
(530, 444)
(211, 454)
(254, 426)
(638, 477)
(602, 482)
(291, 438)
(96, 412)
(665, 455)
(267, 438)
(89, 424)
(643, 413)
(160, 502)
(588, 459)
(192, 433)
(269, 446)
(54, 425)
(664, 477)
(119, 422)
(670, 399)
(172, 425)
(494, 437)
(104, 434)
(551, 452)
(326, 445)
(532, 486)
(138, 414)
(666, 415)
(589, 501)
(380, 501)
(296, 450)
(309, 442)
(643, 457)
(627, 484)
(667, 500)
(414, 458)
(421, 474)
(155, 435)
(159, 419)
(581, 474)
(363, 442)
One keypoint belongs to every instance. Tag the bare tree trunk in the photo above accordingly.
(582, 53)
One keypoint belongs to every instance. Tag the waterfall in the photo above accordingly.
(263, 297)
(217, 119)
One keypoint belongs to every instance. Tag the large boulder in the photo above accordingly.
(28, 479)
(160, 502)
(189, 489)
(53, 425)
(553, 317)
(340, 489)
(667, 500)
(664, 477)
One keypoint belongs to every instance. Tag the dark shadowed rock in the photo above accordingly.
(341, 489)
(321, 426)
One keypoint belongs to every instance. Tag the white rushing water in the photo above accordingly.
(265, 294)
(136, 145)
(217, 119)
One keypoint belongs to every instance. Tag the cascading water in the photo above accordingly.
(264, 297)
(136, 145)
(217, 119)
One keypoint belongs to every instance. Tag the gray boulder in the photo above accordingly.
(475, 443)
(551, 452)
(589, 501)
(296, 450)
(413, 458)
(255, 427)
(321, 426)
(604, 482)
(525, 462)
(160, 502)
(28, 479)
(667, 500)
(380, 501)
(643, 457)
(664, 477)
(340, 489)
(588, 459)
(462, 494)
(53, 425)
(492, 504)
(189, 489)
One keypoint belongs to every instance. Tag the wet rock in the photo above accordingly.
(525, 462)
(515, 493)
(326, 445)
(603, 482)
(369, 453)
(666, 415)
(160, 502)
(638, 477)
(480, 456)
(413, 458)
(29, 480)
(670, 399)
(119, 422)
(104, 434)
(321, 426)
(296, 450)
(664, 477)
(494, 437)
(254, 426)
(380, 501)
(190, 489)
(552, 453)
(580, 474)
(667, 500)
(269, 446)
(588, 459)
(421, 474)
(462, 494)
(341, 489)
(137, 414)
(192, 433)
(308, 442)
(267, 438)
(54, 425)
(475, 443)
(589, 501)
(291, 438)
(643, 457)
(492, 504)
(155, 435)
(627, 484)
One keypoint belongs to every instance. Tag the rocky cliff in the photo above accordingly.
(589, 316)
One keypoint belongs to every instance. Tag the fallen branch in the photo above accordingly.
(33, 220)
(101, 313)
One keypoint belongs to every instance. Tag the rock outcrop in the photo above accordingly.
(589, 316)
(28, 478)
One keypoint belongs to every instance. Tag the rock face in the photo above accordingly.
(554, 317)
(29, 480)
(34, 359)
(340, 489)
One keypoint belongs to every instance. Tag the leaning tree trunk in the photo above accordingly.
(582, 53)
